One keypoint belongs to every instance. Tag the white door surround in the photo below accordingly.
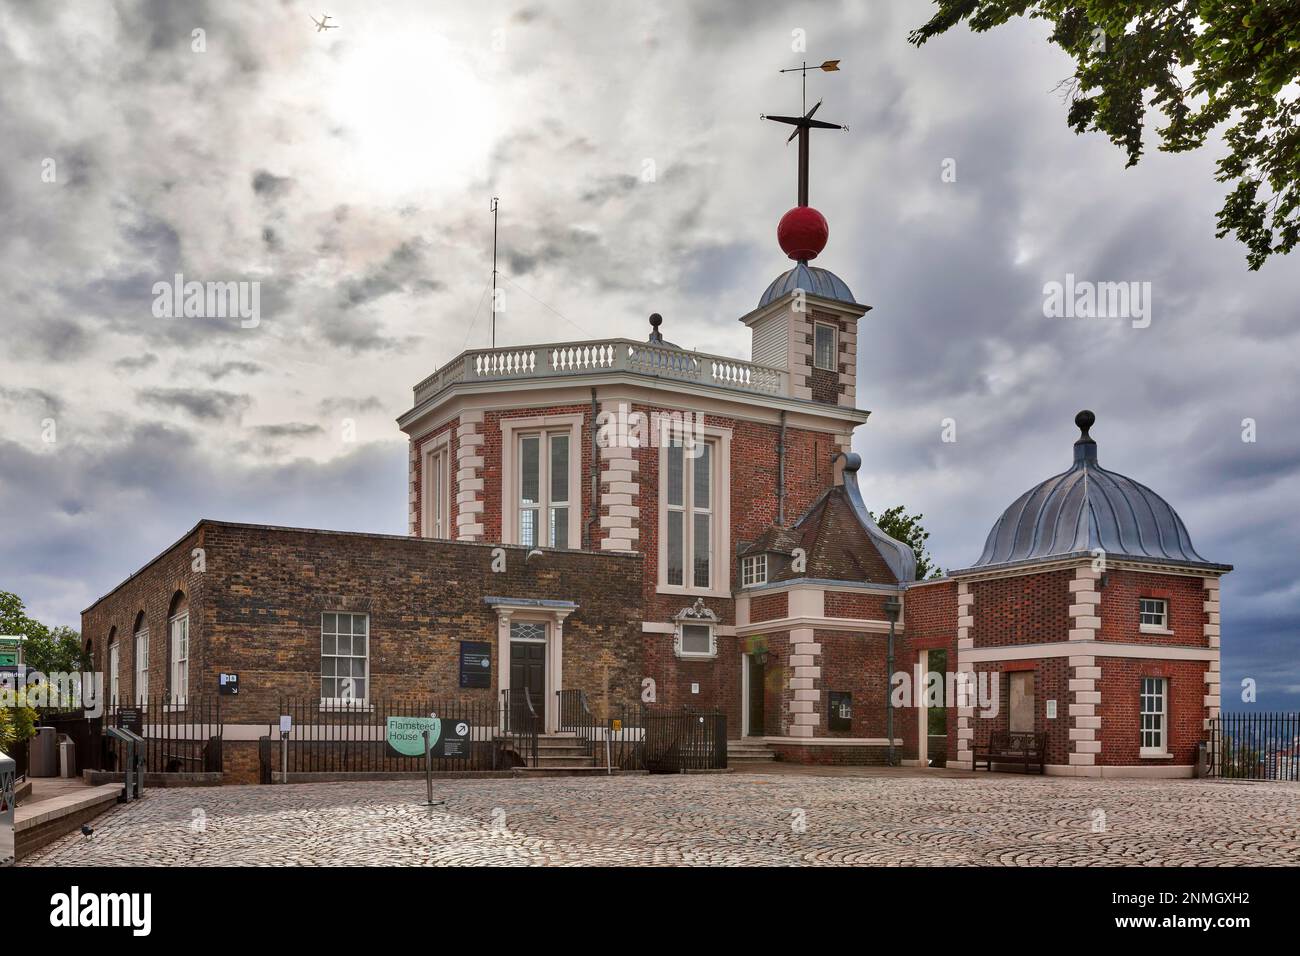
(550, 613)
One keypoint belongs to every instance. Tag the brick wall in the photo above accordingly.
(855, 663)
(257, 611)
(1119, 607)
(1121, 679)
(151, 592)
(1025, 609)
(862, 607)
(769, 607)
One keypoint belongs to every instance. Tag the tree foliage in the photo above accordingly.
(901, 526)
(1203, 64)
(48, 650)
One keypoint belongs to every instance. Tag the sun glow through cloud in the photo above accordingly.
(412, 114)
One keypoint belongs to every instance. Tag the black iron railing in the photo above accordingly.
(682, 740)
(348, 737)
(576, 718)
(179, 737)
(1262, 746)
(640, 736)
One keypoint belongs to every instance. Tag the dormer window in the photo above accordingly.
(753, 570)
(1153, 614)
(824, 347)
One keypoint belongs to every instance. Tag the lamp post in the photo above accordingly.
(893, 607)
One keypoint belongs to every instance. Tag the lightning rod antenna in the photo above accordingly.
(495, 203)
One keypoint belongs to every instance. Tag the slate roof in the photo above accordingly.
(840, 540)
(814, 280)
(1085, 508)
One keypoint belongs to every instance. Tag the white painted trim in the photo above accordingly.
(1112, 771)
(821, 623)
(830, 741)
(1020, 652)
(744, 696)
(576, 389)
(1084, 563)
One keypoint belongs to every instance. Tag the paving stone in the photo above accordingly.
(738, 819)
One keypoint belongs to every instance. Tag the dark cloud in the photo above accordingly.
(136, 363)
(269, 186)
(219, 370)
(288, 430)
(336, 404)
(206, 405)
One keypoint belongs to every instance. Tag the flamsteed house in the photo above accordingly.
(709, 549)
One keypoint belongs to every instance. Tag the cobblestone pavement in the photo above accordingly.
(889, 818)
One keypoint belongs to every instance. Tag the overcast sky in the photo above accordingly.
(350, 173)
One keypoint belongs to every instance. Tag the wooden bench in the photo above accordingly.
(1028, 750)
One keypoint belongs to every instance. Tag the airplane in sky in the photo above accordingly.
(322, 23)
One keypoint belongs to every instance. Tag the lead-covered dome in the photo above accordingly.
(1088, 508)
(813, 280)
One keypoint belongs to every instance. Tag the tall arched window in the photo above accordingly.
(114, 663)
(178, 650)
(141, 658)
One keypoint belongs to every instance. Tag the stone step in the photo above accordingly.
(547, 771)
(548, 760)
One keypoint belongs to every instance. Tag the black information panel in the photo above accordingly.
(475, 664)
(841, 715)
(131, 718)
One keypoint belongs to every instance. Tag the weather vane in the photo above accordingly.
(804, 123)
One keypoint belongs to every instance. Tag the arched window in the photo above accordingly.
(141, 658)
(114, 664)
(178, 650)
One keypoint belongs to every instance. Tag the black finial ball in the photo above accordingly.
(1085, 420)
(656, 320)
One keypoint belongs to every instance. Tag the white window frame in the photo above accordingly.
(835, 347)
(1153, 627)
(753, 570)
(435, 492)
(142, 665)
(720, 549)
(1153, 702)
(546, 503)
(512, 430)
(362, 700)
(114, 665)
(178, 637)
(695, 616)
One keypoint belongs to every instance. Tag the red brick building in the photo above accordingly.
(688, 528)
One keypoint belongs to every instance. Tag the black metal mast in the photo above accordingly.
(495, 203)
(804, 123)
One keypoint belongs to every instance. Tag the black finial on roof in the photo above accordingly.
(656, 320)
(1085, 448)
